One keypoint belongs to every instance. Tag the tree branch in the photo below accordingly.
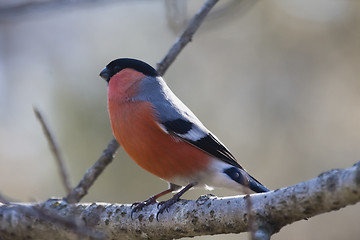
(55, 150)
(329, 191)
(186, 36)
(69, 223)
(93, 173)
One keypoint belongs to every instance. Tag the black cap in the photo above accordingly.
(119, 64)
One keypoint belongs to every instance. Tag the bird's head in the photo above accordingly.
(120, 64)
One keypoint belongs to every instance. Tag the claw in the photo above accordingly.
(138, 206)
(159, 204)
(165, 205)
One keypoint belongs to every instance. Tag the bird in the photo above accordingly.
(163, 136)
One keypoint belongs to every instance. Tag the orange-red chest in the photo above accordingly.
(134, 127)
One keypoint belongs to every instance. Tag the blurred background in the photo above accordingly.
(277, 81)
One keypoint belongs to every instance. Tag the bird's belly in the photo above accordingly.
(164, 155)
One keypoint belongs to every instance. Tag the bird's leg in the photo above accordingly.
(140, 205)
(166, 204)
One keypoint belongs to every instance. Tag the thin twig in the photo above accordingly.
(93, 172)
(186, 36)
(55, 150)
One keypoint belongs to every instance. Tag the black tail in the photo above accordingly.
(242, 177)
(256, 186)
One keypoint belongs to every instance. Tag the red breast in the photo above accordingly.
(135, 128)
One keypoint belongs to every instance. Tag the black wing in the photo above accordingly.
(207, 143)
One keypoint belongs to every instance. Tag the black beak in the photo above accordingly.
(105, 74)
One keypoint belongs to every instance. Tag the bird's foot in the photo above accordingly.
(138, 206)
(165, 205)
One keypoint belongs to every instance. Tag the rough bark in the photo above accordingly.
(207, 215)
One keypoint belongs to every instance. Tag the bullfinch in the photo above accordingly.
(164, 137)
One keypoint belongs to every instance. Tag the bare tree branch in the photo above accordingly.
(69, 224)
(92, 173)
(329, 191)
(186, 36)
(65, 177)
